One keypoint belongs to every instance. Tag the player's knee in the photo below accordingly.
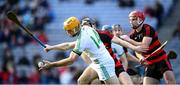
(170, 80)
(82, 81)
(79, 80)
(169, 77)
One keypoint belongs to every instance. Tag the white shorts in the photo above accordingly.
(104, 71)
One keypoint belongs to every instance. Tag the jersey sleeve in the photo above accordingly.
(110, 35)
(149, 31)
(80, 45)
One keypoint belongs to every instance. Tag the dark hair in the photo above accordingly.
(87, 20)
(116, 26)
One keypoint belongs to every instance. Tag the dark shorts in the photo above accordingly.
(118, 70)
(156, 70)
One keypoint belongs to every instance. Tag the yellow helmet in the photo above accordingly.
(71, 23)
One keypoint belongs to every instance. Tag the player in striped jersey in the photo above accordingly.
(157, 65)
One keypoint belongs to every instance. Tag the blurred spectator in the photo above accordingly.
(8, 74)
(12, 2)
(149, 11)
(65, 74)
(44, 3)
(156, 11)
(60, 56)
(126, 3)
(44, 76)
(177, 30)
(35, 76)
(77, 71)
(38, 24)
(8, 56)
(8, 32)
(41, 36)
(89, 2)
(36, 58)
(159, 11)
(23, 70)
(49, 77)
(54, 77)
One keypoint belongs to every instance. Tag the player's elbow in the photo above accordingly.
(72, 60)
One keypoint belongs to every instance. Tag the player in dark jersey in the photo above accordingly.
(157, 65)
(129, 61)
(106, 38)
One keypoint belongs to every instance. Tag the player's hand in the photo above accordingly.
(48, 48)
(125, 37)
(46, 65)
(141, 48)
(143, 61)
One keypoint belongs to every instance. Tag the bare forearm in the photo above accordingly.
(127, 44)
(123, 43)
(63, 62)
(134, 42)
(62, 46)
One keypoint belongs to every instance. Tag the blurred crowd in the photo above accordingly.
(36, 14)
(27, 72)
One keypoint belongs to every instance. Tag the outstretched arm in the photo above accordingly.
(62, 47)
(144, 42)
(68, 61)
(129, 45)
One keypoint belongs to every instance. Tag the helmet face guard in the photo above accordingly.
(72, 26)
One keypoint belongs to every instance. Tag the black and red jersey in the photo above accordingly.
(106, 38)
(148, 31)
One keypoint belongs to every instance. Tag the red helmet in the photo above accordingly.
(138, 14)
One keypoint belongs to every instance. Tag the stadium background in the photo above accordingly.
(19, 54)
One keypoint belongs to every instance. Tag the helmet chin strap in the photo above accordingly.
(139, 22)
(76, 32)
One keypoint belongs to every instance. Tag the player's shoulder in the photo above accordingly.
(131, 32)
(104, 32)
(148, 27)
